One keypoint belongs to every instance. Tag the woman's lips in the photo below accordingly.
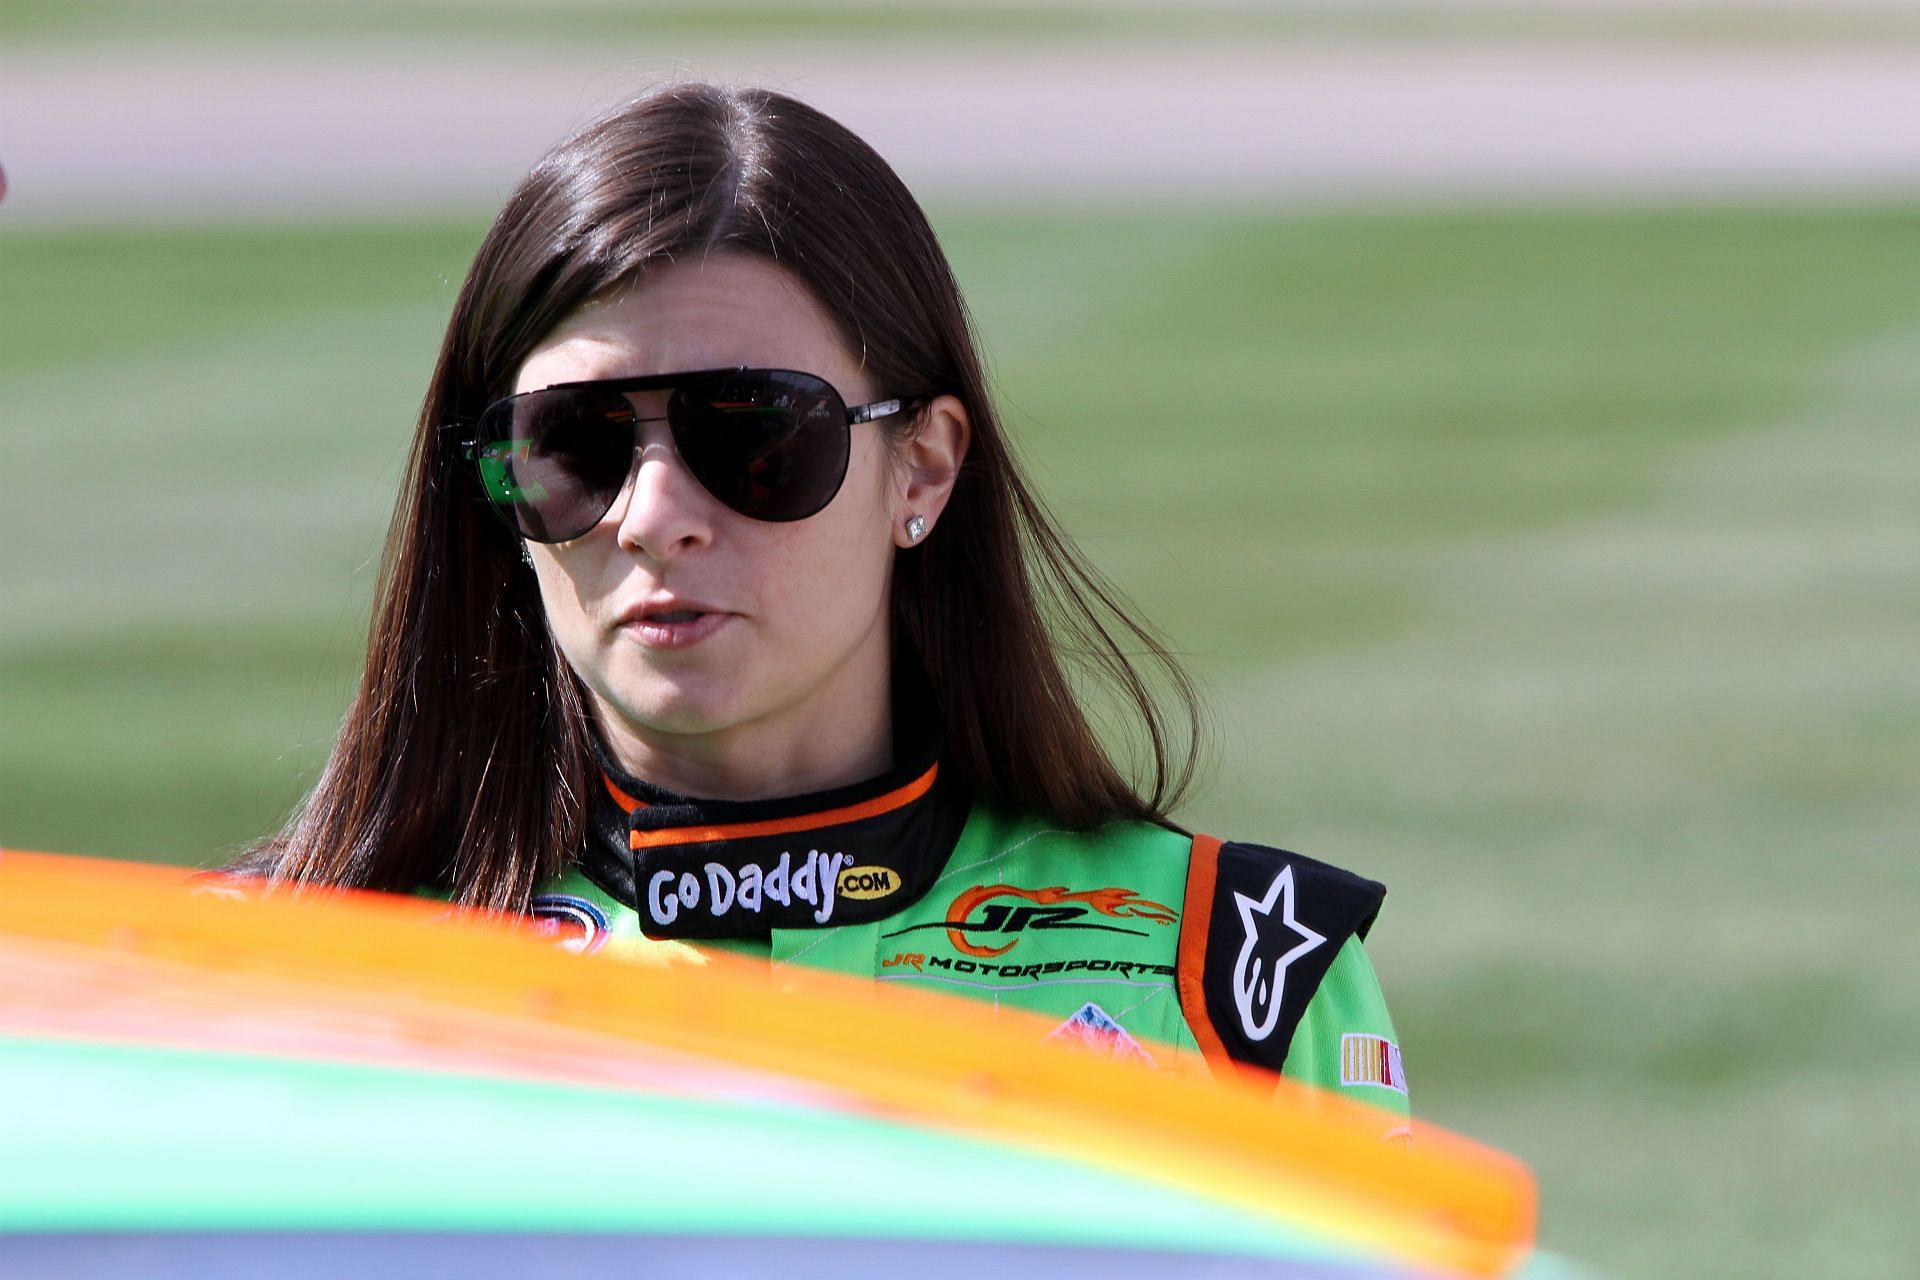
(674, 628)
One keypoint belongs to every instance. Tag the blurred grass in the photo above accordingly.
(1562, 570)
(599, 24)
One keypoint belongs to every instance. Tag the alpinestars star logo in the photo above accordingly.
(1271, 943)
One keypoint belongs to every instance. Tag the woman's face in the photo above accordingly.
(725, 656)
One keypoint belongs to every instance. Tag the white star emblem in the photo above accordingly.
(1256, 988)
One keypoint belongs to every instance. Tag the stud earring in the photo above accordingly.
(526, 555)
(916, 528)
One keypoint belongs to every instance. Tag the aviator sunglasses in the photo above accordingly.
(770, 444)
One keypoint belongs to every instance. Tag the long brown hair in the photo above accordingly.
(466, 754)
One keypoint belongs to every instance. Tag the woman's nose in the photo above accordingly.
(666, 509)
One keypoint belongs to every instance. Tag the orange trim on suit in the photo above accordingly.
(898, 798)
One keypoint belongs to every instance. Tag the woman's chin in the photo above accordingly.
(679, 710)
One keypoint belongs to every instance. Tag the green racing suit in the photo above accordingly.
(1135, 939)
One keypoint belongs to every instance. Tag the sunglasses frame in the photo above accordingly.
(470, 445)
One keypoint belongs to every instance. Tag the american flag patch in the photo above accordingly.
(1371, 1060)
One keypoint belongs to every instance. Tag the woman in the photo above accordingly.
(715, 609)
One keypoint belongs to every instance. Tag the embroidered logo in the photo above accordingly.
(913, 958)
(1056, 907)
(1271, 942)
(813, 880)
(1092, 1027)
(867, 883)
(574, 924)
(1373, 1060)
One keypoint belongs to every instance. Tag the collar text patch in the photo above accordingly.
(749, 888)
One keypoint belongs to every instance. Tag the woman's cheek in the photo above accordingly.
(586, 647)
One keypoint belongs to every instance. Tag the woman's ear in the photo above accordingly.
(929, 464)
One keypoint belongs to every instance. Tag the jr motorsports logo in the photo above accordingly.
(1273, 939)
(982, 915)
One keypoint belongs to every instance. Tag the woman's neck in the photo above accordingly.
(796, 753)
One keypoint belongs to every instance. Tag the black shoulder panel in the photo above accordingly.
(1277, 920)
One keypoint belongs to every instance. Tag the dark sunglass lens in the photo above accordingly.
(769, 444)
(555, 460)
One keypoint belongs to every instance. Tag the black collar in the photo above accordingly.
(717, 868)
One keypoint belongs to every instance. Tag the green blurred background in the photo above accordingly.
(1555, 564)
